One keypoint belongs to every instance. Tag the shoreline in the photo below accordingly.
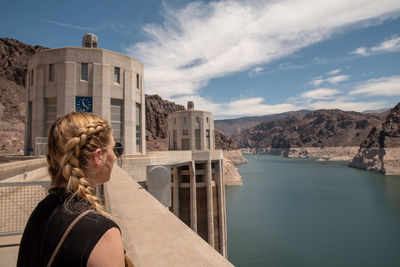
(319, 153)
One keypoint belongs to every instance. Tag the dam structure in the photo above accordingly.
(170, 205)
(198, 191)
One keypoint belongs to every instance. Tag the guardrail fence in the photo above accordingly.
(17, 201)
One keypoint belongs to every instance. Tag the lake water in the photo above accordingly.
(300, 212)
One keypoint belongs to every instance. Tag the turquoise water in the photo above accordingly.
(300, 212)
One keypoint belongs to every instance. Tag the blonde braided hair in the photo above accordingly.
(71, 142)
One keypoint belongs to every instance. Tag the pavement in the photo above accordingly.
(8, 250)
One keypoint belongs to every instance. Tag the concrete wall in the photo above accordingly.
(136, 165)
(191, 120)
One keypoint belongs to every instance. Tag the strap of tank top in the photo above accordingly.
(65, 235)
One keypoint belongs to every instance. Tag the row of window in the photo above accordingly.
(117, 75)
(85, 74)
(184, 120)
(186, 132)
(186, 141)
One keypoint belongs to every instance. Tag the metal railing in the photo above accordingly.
(17, 201)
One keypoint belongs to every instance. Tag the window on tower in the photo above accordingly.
(116, 75)
(84, 71)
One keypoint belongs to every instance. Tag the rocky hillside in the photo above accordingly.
(236, 126)
(14, 56)
(224, 141)
(12, 115)
(321, 128)
(157, 111)
(380, 151)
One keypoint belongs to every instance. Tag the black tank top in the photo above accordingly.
(48, 223)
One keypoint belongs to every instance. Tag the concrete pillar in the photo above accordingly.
(66, 93)
(175, 200)
(143, 119)
(129, 116)
(210, 208)
(225, 236)
(28, 126)
(193, 199)
(221, 211)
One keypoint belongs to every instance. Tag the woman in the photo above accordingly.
(80, 155)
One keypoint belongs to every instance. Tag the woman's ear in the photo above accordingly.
(98, 157)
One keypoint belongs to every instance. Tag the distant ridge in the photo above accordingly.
(320, 128)
(236, 126)
(382, 110)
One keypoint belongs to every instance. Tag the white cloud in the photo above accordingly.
(207, 40)
(338, 79)
(386, 86)
(320, 93)
(333, 72)
(317, 81)
(362, 51)
(390, 45)
(241, 107)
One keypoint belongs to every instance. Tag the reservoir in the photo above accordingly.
(302, 212)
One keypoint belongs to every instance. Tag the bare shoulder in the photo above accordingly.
(108, 251)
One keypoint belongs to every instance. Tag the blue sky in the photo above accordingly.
(236, 58)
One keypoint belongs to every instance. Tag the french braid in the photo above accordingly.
(71, 142)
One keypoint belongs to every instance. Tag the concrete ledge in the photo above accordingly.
(19, 167)
(153, 236)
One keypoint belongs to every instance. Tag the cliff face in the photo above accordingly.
(224, 142)
(12, 115)
(321, 128)
(231, 173)
(14, 57)
(157, 111)
(380, 151)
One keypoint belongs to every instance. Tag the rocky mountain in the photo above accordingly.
(380, 151)
(14, 56)
(321, 128)
(236, 126)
